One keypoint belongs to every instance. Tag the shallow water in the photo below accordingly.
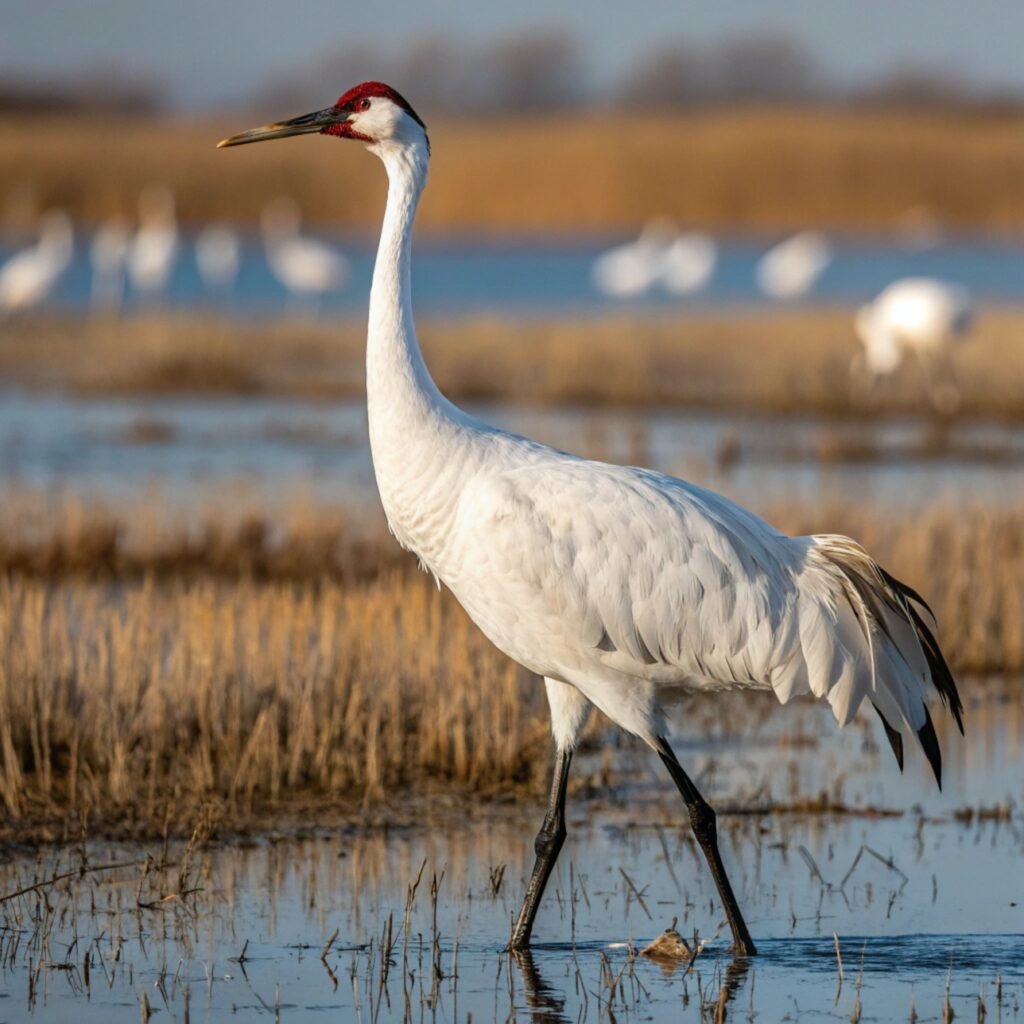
(112, 447)
(925, 904)
(466, 276)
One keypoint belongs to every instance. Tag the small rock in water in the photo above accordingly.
(668, 947)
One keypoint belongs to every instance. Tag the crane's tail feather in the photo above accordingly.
(894, 736)
(942, 677)
(899, 645)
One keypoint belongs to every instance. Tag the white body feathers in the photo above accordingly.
(915, 314)
(792, 268)
(29, 276)
(624, 588)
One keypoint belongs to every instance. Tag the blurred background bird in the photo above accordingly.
(306, 267)
(154, 249)
(29, 276)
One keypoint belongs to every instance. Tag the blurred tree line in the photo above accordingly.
(540, 70)
(546, 70)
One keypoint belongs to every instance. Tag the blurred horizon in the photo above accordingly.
(558, 56)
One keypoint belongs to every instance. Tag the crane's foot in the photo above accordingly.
(743, 948)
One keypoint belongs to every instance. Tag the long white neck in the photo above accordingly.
(417, 440)
(396, 376)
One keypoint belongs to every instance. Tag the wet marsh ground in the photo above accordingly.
(827, 843)
(206, 631)
(777, 362)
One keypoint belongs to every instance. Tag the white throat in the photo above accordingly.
(416, 436)
(394, 364)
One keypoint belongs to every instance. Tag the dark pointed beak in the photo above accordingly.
(306, 124)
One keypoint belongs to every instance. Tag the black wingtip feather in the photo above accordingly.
(907, 591)
(941, 675)
(893, 736)
(930, 744)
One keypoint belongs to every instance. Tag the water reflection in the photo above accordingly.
(407, 921)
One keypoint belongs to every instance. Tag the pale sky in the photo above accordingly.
(216, 51)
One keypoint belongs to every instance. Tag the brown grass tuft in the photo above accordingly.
(133, 703)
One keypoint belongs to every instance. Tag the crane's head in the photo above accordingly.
(372, 113)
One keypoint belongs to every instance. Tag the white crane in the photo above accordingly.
(154, 249)
(682, 263)
(689, 263)
(108, 254)
(29, 276)
(919, 315)
(218, 256)
(631, 270)
(623, 588)
(306, 267)
(792, 268)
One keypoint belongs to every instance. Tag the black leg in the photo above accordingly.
(705, 828)
(548, 844)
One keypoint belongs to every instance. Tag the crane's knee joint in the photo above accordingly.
(704, 821)
(550, 838)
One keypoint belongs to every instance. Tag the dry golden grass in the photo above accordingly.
(133, 703)
(773, 361)
(132, 699)
(225, 535)
(757, 169)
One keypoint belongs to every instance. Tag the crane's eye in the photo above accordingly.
(363, 104)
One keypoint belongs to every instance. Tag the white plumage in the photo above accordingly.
(792, 268)
(30, 275)
(917, 315)
(305, 266)
(623, 588)
(218, 256)
(108, 253)
(681, 263)
(632, 269)
(154, 249)
(689, 263)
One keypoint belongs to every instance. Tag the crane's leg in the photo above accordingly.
(548, 845)
(569, 710)
(705, 828)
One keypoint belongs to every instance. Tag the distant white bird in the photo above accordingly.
(307, 268)
(108, 253)
(792, 268)
(629, 271)
(688, 263)
(155, 246)
(917, 315)
(623, 588)
(29, 276)
(218, 256)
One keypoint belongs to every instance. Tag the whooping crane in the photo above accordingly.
(792, 268)
(307, 268)
(155, 246)
(108, 253)
(623, 588)
(688, 263)
(682, 263)
(30, 275)
(631, 270)
(922, 316)
(218, 256)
